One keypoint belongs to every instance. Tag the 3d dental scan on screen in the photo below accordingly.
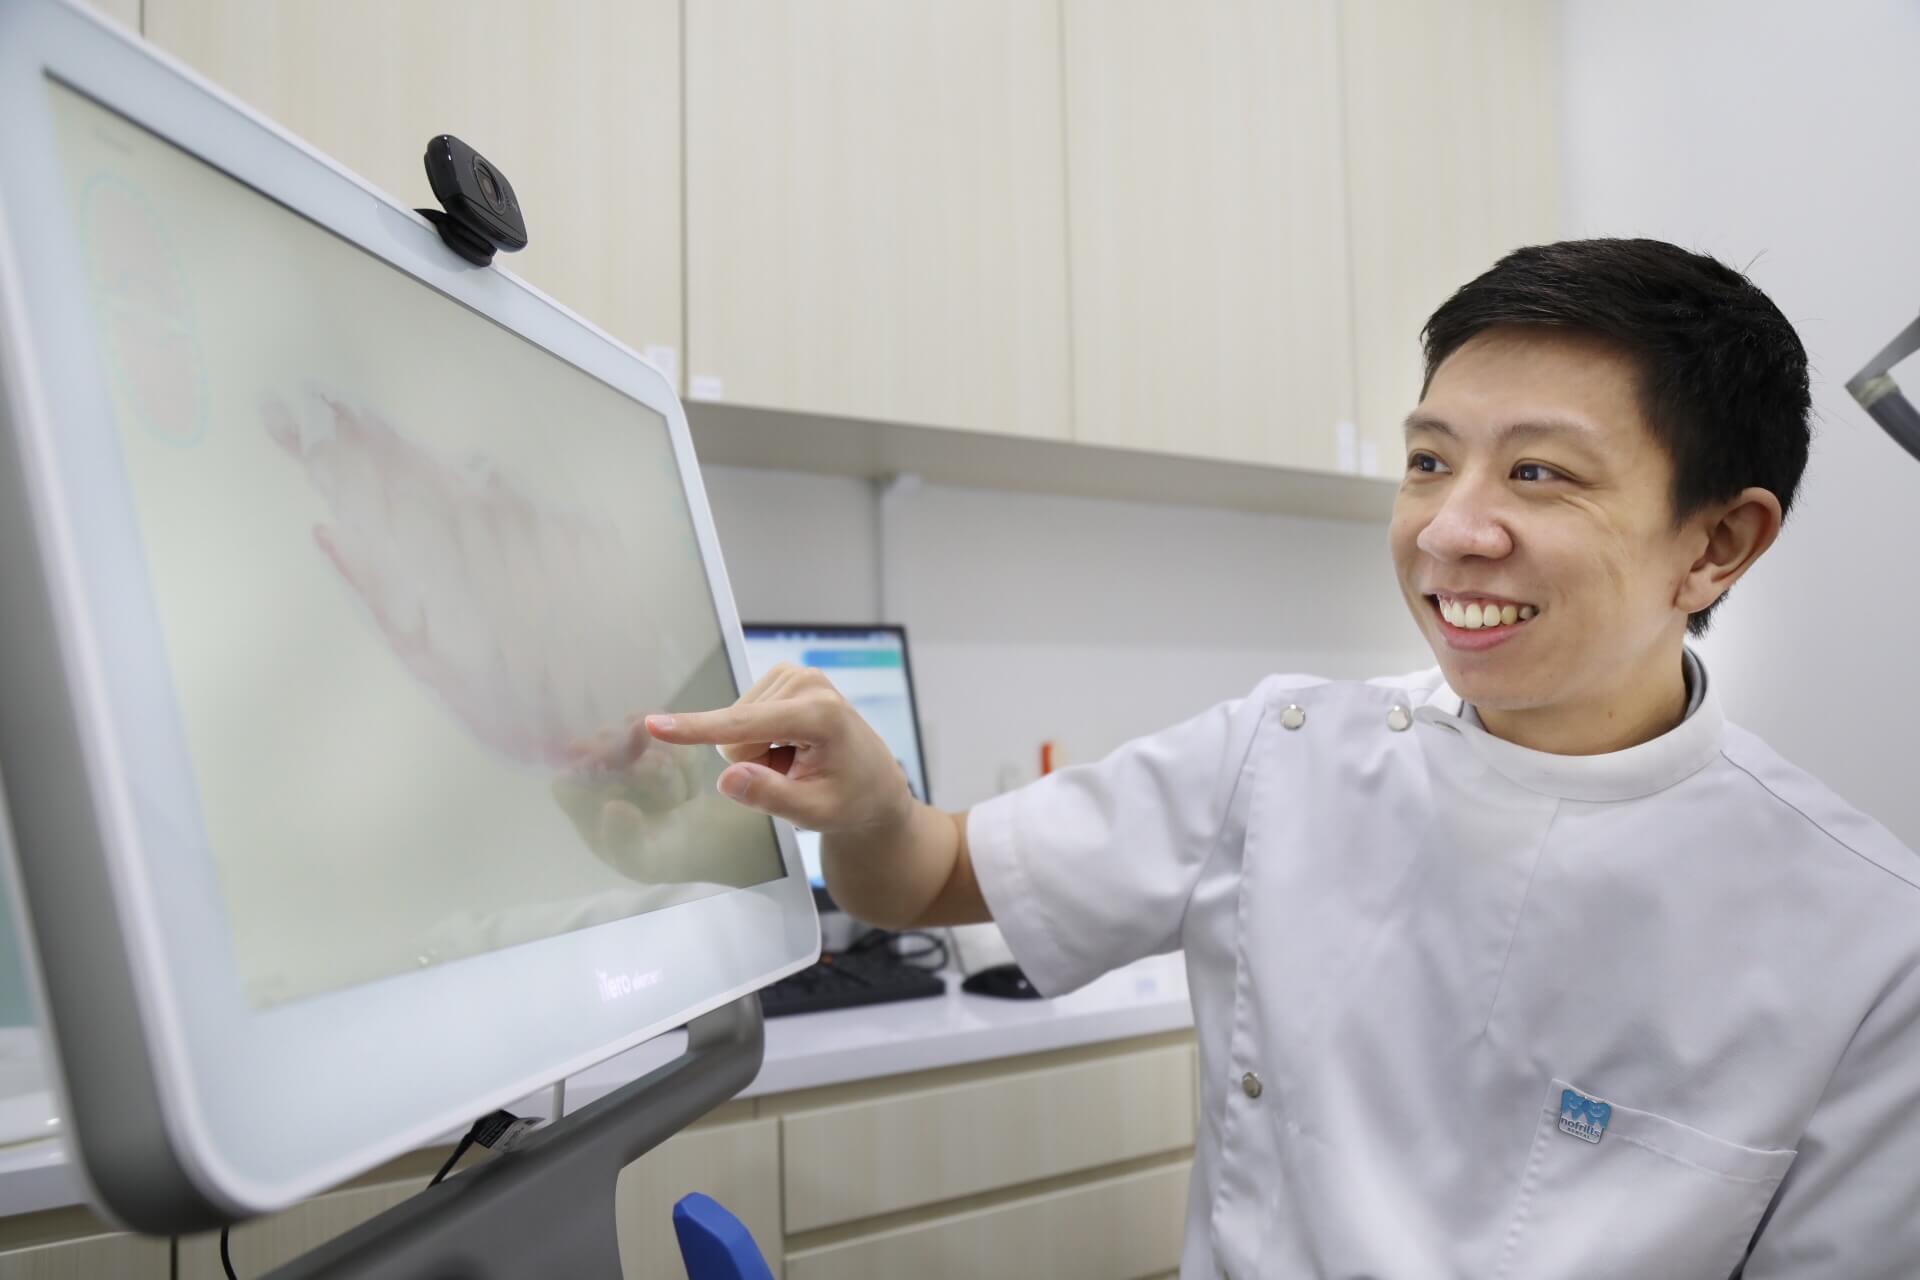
(336, 571)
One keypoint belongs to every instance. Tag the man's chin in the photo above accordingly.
(1478, 681)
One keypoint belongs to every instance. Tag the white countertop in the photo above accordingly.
(807, 1050)
(811, 1049)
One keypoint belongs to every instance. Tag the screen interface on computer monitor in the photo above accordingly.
(869, 668)
(415, 578)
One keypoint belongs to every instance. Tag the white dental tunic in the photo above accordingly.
(1470, 1010)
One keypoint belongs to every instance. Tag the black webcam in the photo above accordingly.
(482, 213)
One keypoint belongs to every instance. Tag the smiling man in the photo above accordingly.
(1526, 966)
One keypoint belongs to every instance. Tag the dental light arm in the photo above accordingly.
(1877, 393)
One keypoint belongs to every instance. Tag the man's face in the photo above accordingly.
(1536, 498)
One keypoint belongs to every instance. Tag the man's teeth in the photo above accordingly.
(1475, 617)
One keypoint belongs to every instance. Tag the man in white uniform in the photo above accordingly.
(1527, 966)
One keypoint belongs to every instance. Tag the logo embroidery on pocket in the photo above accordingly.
(1583, 1117)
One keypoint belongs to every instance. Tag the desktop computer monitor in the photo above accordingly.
(334, 575)
(869, 666)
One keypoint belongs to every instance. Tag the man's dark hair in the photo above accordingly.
(1723, 376)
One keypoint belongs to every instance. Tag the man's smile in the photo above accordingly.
(1475, 623)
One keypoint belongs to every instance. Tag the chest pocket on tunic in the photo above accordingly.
(1651, 1198)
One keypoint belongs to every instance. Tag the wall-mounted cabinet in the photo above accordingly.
(579, 103)
(875, 217)
(1209, 241)
(1452, 160)
(1207, 232)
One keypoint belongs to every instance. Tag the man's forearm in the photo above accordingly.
(920, 874)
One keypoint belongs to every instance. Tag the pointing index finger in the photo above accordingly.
(778, 721)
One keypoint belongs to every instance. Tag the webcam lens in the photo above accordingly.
(489, 185)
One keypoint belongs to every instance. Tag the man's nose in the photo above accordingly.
(1467, 524)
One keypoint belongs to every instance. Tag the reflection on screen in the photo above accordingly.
(416, 579)
(869, 668)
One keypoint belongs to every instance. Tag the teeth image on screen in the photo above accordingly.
(461, 571)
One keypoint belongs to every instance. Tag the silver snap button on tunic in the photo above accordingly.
(1250, 1085)
(1293, 717)
(1399, 718)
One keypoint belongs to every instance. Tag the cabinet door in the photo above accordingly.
(579, 103)
(1452, 160)
(125, 12)
(736, 1164)
(875, 226)
(122, 1257)
(265, 1243)
(1208, 234)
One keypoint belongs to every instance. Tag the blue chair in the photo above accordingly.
(714, 1244)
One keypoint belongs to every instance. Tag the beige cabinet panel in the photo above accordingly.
(264, 1243)
(1452, 160)
(122, 1257)
(124, 12)
(875, 226)
(736, 1164)
(579, 103)
(1127, 1226)
(1208, 228)
(865, 1158)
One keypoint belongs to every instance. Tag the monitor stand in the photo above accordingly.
(546, 1208)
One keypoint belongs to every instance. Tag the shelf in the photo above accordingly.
(733, 435)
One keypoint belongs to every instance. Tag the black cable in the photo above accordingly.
(458, 1151)
(226, 1257)
(869, 940)
(496, 1131)
(931, 945)
(488, 1128)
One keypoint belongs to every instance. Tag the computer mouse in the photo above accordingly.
(1006, 981)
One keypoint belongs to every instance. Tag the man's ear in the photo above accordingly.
(1737, 534)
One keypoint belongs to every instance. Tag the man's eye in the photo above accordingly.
(1533, 471)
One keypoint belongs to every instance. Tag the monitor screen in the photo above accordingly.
(415, 576)
(868, 665)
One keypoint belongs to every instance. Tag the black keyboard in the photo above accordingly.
(841, 980)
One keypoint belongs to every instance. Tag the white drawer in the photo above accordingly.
(864, 1158)
(1112, 1229)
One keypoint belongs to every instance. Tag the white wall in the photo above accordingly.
(1784, 138)
(1078, 620)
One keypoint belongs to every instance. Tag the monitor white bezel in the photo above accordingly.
(264, 1107)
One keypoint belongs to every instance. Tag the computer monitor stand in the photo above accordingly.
(546, 1208)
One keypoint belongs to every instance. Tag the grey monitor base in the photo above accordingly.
(546, 1207)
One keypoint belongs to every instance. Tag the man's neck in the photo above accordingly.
(1635, 713)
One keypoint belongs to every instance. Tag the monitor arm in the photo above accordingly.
(546, 1208)
(1877, 393)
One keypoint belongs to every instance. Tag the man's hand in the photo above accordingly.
(798, 751)
(650, 812)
